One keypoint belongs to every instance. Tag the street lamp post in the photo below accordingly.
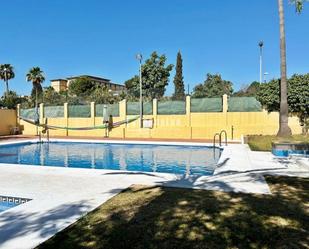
(139, 57)
(261, 44)
(265, 74)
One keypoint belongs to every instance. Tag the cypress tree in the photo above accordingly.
(178, 80)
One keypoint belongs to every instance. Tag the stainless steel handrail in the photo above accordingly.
(225, 137)
(214, 141)
(220, 138)
(47, 133)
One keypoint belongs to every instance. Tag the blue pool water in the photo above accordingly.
(189, 160)
(7, 202)
(4, 205)
(286, 153)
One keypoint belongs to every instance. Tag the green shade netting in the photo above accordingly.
(244, 104)
(133, 108)
(28, 113)
(112, 109)
(79, 111)
(54, 111)
(172, 107)
(206, 105)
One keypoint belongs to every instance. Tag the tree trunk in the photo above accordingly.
(7, 87)
(284, 129)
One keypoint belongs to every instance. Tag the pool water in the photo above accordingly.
(285, 149)
(5, 205)
(7, 202)
(187, 160)
(286, 153)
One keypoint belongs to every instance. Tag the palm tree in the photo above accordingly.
(36, 76)
(284, 129)
(6, 74)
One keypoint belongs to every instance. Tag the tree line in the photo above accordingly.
(155, 75)
(155, 78)
(80, 91)
(10, 98)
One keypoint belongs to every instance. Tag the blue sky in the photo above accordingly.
(101, 38)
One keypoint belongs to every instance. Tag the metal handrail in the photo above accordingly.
(47, 133)
(225, 136)
(220, 138)
(214, 141)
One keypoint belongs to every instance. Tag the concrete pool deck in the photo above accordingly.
(60, 196)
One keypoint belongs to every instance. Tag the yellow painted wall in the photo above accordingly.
(188, 126)
(26, 128)
(57, 122)
(7, 121)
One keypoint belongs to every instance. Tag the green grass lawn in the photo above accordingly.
(263, 143)
(158, 217)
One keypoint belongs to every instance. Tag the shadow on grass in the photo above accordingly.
(161, 217)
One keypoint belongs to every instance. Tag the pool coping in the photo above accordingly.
(114, 141)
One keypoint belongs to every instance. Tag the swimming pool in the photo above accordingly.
(286, 153)
(186, 160)
(285, 149)
(7, 202)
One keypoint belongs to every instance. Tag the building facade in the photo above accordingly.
(63, 84)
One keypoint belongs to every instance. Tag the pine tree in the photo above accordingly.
(178, 80)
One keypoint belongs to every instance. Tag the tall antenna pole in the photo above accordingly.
(261, 44)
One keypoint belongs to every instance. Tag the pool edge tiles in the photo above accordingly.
(8, 202)
(116, 141)
(134, 142)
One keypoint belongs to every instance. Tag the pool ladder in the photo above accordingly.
(220, 138)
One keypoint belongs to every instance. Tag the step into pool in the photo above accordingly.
(176, 159)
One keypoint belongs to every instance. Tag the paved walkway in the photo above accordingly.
(60, 196)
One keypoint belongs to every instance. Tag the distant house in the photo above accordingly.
(63, 84)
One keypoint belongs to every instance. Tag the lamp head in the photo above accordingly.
(139, 57)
